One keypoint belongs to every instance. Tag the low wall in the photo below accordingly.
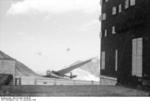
(104, 80)
(52, 81)
(64, 82)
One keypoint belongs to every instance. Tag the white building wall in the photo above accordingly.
(8, 67)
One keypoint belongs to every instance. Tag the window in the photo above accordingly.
(113, 30)
(106, 0)
(132, 2)
(105, 33)
(120, 8)
(104, 16)
(103, 60)
(100, 17)
(137, 57)
(100, 34)
(114, 10)
(103, 1)
(126, 4)
(116, 60)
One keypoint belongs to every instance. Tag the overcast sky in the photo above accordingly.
(50, 34)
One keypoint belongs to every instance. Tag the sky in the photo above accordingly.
(50, 34)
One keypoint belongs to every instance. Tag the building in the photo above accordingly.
(125, 40)
(13, 72)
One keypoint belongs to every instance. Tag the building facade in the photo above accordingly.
(125, 40)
